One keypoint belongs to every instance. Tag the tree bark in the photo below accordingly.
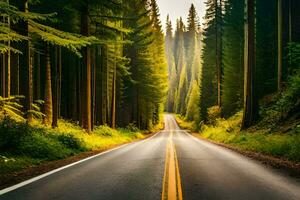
(3, 75)
(14, 59)
(218, 20)
(37, 76)
(24, 59)
(280, 43)
(113, 100)
(86, 76)
(250, 99)
(55, 96)
(48, 91)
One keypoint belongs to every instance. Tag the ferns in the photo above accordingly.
(11, 107)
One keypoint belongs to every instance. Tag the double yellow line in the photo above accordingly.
(172, 189)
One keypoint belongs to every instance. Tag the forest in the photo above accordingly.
(85, 75)
(88, 62)
(237, 74)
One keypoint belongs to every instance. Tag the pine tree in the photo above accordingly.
(192, 113)
(208, 79)
(182, 80)
(233, 57)
(148, 69)
(172, 73)
(250, 96)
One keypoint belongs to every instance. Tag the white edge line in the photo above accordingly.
(22, 184)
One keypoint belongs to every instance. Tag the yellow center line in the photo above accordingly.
(172, 183)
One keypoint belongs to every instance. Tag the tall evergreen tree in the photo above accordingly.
(233, 57)
(250, 95)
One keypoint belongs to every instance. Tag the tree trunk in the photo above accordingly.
(104, 71)
(48, 91)
(290, 29)
(113, 100)
(93, 61)
(55, 96)
(24, 59)
(279, 78)
(250, 100)
(14, 59)
(38, 76)
(86, 76)
(290, 20)
(8, 72)
(218, 27)
(3, 75)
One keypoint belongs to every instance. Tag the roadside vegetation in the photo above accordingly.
(278, 144)
(277, 133)
(246, 96)
(23, 145)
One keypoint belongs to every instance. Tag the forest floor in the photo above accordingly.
(277, 149)
(31, 150)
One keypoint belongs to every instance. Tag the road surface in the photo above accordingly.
(170, 165)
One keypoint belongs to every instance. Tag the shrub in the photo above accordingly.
(213, 113)
(42, 147)
(12, 133)
(70, 141)
(132, 127)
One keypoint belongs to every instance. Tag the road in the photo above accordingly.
(172, 164)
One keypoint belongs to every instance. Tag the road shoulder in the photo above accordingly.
(13, 178)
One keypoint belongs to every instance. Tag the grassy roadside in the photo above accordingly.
(23, 146)
(285, 146)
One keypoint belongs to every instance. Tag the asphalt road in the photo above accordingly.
(136, 171)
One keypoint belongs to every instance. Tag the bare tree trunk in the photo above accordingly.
(93, 61)
(48, 91)
(55, 96)
(218, 15)
(279, 78)
(3, 75)
(290, 29)
(8, 67)
(104, 85)
(38, 77)
(24, 59)
(290, 20)
(59, 81)
(14, 59)
(86, 76)
(113, 100)
(250, 99)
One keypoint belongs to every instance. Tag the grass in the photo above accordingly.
(286, 146)
(184, 124)
(23, 145)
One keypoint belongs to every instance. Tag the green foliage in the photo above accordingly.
(294, 57)
(11, 107)
(22, 145)
(286, 146)
(71, 142)
(193, 104)
(208, 77)
(284, 105)
(22, 139)
(147, 86)
(233, 58)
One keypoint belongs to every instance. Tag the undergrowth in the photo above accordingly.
(286, 145)
(23, 145)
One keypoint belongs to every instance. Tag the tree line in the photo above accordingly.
(93, 62)
(248, 50)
